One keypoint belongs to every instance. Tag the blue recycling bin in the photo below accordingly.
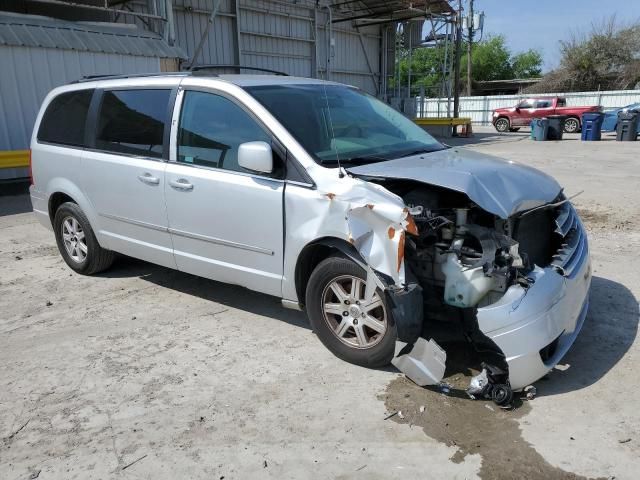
(592, 126)
(539, 129)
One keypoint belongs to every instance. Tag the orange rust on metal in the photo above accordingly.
(412, 228)
(370, 206)
(400, 250)
(391, 232)
(331, 195)
(351, 240)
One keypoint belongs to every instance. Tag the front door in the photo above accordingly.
(543, 108)
(225, 222)
(124, 173)
(523, 114)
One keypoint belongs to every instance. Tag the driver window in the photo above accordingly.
(525, 104)
(211, 130)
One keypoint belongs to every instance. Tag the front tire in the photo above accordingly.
(77, 243)
(355, 329)
(571, 125)
(502, 125)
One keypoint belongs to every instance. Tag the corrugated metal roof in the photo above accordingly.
(124, 39)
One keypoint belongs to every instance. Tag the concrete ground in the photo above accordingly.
(144, 372)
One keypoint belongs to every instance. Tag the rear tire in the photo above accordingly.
(572, 125)
(77, 243)
(502, 124)
(353, 329)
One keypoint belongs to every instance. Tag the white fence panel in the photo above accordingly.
(480, 108)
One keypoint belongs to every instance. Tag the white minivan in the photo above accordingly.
(319, 194)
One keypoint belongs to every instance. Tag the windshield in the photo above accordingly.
(338, 122)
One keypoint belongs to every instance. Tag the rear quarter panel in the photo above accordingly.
(57, 168)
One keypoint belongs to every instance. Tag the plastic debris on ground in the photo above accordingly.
(530, 392)
(424, 364)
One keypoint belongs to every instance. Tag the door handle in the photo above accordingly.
(181, 184)
(149, 179)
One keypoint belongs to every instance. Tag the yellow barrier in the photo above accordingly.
(14, 159)
(442, 121)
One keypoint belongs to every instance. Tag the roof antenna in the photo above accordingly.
(333, 135)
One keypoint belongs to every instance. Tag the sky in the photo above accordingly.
(541, 24)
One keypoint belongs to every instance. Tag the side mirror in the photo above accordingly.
(518, 109)
(256, 156)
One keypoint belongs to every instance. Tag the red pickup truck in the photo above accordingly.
(511, 119)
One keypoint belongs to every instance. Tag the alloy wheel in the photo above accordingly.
(74, 239)
(571, 125)
(356, 321)
(502, 125)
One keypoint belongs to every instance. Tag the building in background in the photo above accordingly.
(46, 43)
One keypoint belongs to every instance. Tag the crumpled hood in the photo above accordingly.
(498, 186)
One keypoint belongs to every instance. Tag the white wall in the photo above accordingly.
(480, 108)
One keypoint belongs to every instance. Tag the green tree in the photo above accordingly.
(426, 69)
(491, 60)
(527, 64)
(605, 58)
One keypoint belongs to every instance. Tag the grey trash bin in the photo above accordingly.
(627, 129)
(556, 127)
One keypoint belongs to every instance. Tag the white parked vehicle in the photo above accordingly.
(319, 194)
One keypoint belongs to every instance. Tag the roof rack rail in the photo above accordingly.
(197, 68)
(90, 78)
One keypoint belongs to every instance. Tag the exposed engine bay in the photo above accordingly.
(468, 255)
(465, 258)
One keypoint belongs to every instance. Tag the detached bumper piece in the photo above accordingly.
(424, 364)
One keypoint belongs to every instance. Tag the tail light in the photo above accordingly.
(30, 169)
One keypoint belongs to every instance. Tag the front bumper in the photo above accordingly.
(536, 327)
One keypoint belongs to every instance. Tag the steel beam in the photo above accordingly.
(205, 34)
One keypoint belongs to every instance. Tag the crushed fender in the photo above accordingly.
(424, 364)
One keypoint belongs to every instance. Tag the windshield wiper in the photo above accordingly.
(359, 159)
(421, 150)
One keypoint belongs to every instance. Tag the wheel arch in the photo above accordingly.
(315, 252)
(55, 200)
(61, 190)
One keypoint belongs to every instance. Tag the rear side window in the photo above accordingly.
(65, 118)
(132, 122)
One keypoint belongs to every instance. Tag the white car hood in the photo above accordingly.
(498, 186)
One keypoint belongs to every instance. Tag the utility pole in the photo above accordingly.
(469, 45)
(456, 63)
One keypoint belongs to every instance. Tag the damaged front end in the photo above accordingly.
(505, 266)
(470, 267)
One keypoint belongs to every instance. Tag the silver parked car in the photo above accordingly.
(324, 196)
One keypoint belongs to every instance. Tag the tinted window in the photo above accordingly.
(65, 118)
(132, 121)
(526, 104)
(211, 130)
(543, 104)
